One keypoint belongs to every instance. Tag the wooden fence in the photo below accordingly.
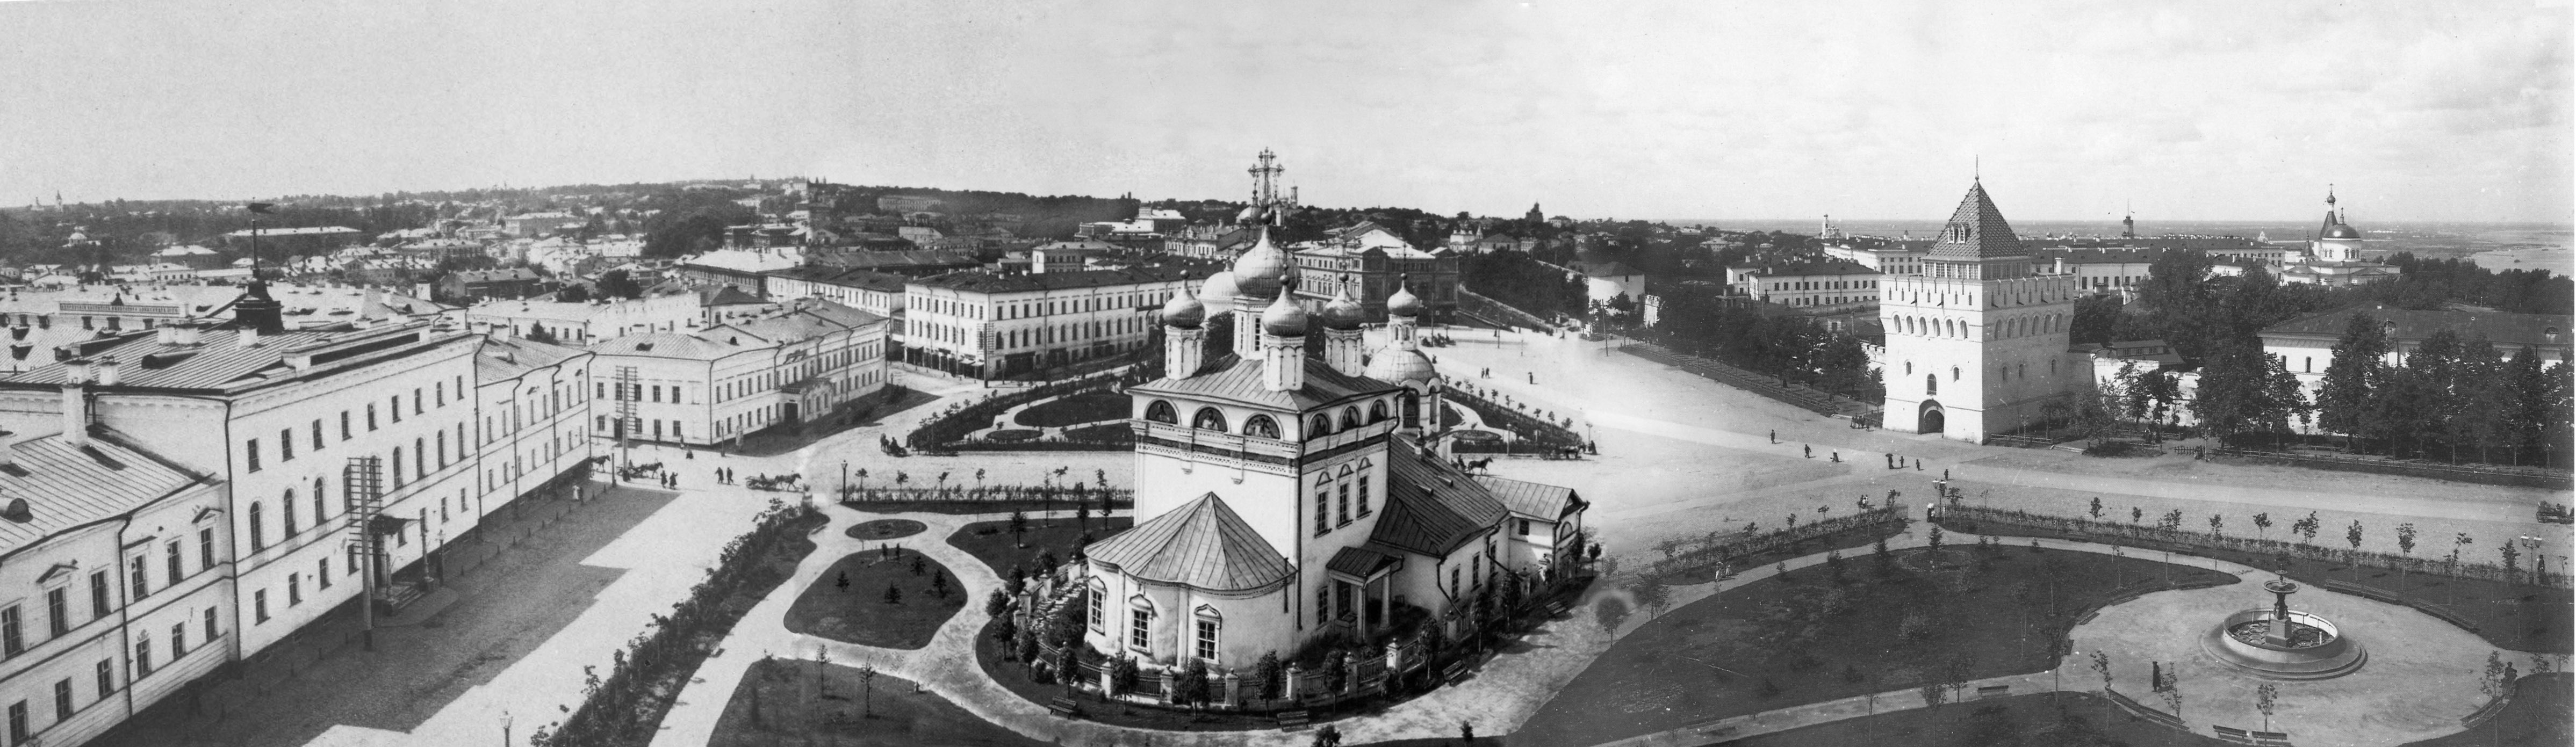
(2183, 540)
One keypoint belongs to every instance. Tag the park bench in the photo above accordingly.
(1556, 608)
(2270, 739)
(1292, 720)
(1993, 691)
(2232, 735)
(1064, 707)
(1457, 670)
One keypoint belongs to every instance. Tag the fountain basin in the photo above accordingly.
(2317, 649)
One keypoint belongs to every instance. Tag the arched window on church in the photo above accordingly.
(1909, 368)
(1411, 404)
(1319, 426)
(1954, 373)
(1099, 600)
(2023, 369)
(1261, 426)
(1161, 412)
(1377, 411)
(1140, 627)
(1208, 419)
(1931, 385)
(1350, 418)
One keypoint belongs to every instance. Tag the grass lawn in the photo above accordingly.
(884, 529)
(2088, 721)
(779, 703)
(990, 541)
(1802, 638)
(1087, 407)
(2538, 715)
(2521, 617)
(859, 613)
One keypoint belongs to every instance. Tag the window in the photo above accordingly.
(1342, 512)
(371, 418)
(63, 699)
(393, 408)
(286, 444)
(1208, 624)
(1099, 599)
(1364, 495)
(1261, 426)
(12, 639)
(142, 583)
(1377, 411)
(210, 623)
(322, 572)
(1323, 606)
(250, 454)
(171, 556)
(106, 678)
(1525, 527)
(58, 612)
(1319, 426)
(19, 729)
(294, 589)
(178, 640)
(1208, 418)
(320, 509)
(205, 549)
(1350, 418)
(1453, 581)
(1323, 509)
(286, 513)
(99, 602)
(258, 535)
(344, 425)
(1931, 385)
(1140, 629)
(259, 606)
(143, 658)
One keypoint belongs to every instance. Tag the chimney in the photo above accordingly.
(191, 332)
(8, 448)
(108, 373)
(248, 337)
(75, 414)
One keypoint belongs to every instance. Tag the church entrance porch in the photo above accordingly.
(1931, 420)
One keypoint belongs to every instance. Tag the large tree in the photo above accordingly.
(2344, 399)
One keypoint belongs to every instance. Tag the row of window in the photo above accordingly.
(420, 470)
(2003, 329)
(1262, 426)
(1140, 622)
(22, 728)
(1136, 299)
(1333, 496)
(420, 405)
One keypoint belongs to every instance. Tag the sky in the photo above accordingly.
(2414, 111)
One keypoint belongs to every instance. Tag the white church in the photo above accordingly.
(1281, 498)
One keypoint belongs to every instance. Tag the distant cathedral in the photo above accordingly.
(1977, 343)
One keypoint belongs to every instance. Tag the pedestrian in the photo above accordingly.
(1809, 451)
(1891, 461)
(1775, 435)
(1945, 474)
(1838, 457)
(1918, 465)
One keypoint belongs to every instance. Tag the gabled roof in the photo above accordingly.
(1541, 500)
(69, 486)
(1239, 380)
(1201, 545)
(1431, 507)
(504, 358)
(2506, 331)
(1987, 235)
(1611, 268)
(666, 345)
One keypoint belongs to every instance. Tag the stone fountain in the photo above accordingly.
(2282, 643)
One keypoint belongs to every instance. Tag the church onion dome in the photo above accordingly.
(1403, 303)
(1183, 310)
(1260, 272)
(1400, 365)
(1344, 313)
(1219, 289)
(2342, 231)
(1284, 318)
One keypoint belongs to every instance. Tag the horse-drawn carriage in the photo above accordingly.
(639, 471)
(784, 483)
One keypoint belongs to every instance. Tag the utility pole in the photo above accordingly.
(363, 487)
(627, 393)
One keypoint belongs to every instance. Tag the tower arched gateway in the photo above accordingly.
(1988, 331)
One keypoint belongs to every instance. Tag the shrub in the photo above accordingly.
(1610, 611)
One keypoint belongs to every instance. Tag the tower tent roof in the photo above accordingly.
(1977, 231)
(1202, 544)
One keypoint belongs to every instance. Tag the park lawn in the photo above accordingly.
(885, 529)
(860, 613)
(1087, 407)
(2521, 617)
(990, 541)
(778, 703)
(2088, 720)
(1812, 640)
(2538, 715)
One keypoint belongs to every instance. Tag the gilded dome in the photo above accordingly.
(1403, 303)
(1183, 310)
(1261, 271)
(2342, 231)
(1344, 313)
(1284, 318)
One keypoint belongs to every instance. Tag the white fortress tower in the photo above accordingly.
(1977, 343)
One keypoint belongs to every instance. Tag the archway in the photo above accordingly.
(1931, 420)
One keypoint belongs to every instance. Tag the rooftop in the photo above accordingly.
(1235, 379)
(1202, 544)
(219, 361)
(986, 282)
(2410, 325)
(1431, 507)
(69, 486)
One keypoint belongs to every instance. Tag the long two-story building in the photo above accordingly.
(987, 325)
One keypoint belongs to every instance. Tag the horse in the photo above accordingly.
(1479, 465)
